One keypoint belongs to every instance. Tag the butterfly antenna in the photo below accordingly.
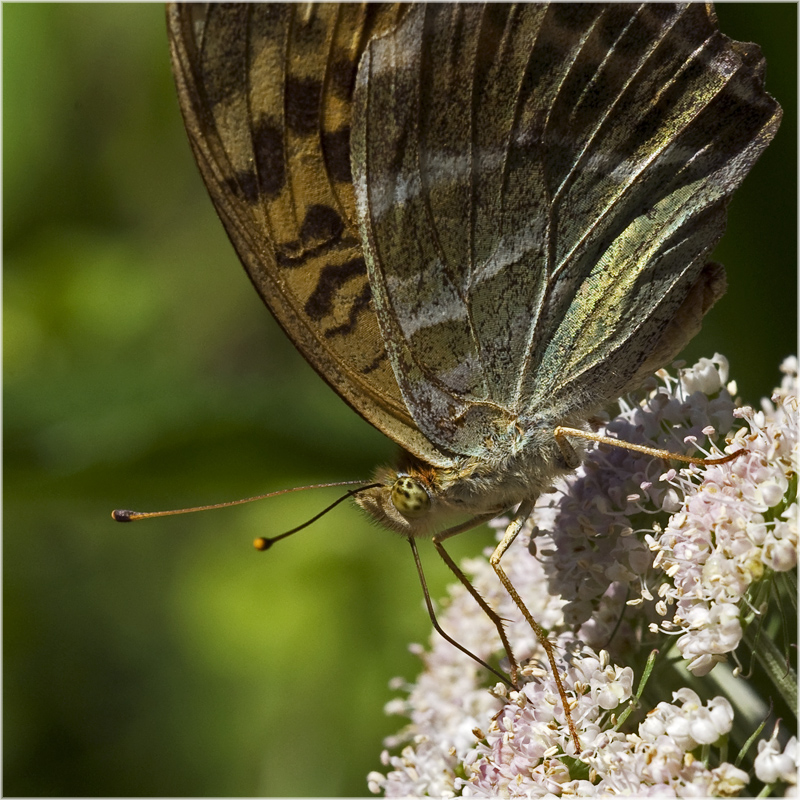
(122, 515)
(265, 542)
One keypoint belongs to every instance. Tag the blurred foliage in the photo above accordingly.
(142, 371)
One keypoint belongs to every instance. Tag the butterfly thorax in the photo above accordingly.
(419, 499)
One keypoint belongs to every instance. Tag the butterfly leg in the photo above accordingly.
(483, 605)
(510, 535)
(487, 609)
(568, 452)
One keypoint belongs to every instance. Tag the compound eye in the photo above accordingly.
(409, 497)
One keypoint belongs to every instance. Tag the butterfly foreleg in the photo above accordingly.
(487, 609)
(523, 512)
(440, 630)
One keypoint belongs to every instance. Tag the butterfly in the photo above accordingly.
(481, 224)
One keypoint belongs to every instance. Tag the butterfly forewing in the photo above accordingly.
(266, 94)
(539, 189)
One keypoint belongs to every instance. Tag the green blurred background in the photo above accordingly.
(142, 371)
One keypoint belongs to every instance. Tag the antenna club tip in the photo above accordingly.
(122, 515)
(261, 543)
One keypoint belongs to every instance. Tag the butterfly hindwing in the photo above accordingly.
(686, 119)
(538, 190)
(266, 94)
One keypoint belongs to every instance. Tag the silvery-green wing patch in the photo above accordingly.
(538, 190)
(266, 94)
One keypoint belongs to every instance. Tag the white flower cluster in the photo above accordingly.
(732, 525)
(592, 573)
(597, 562)
(449, 703)
(654, 761)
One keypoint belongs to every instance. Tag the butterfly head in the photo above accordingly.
(417, 499)
(401, 502)
(411, 500)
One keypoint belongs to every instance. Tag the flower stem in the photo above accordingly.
(783, 677)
